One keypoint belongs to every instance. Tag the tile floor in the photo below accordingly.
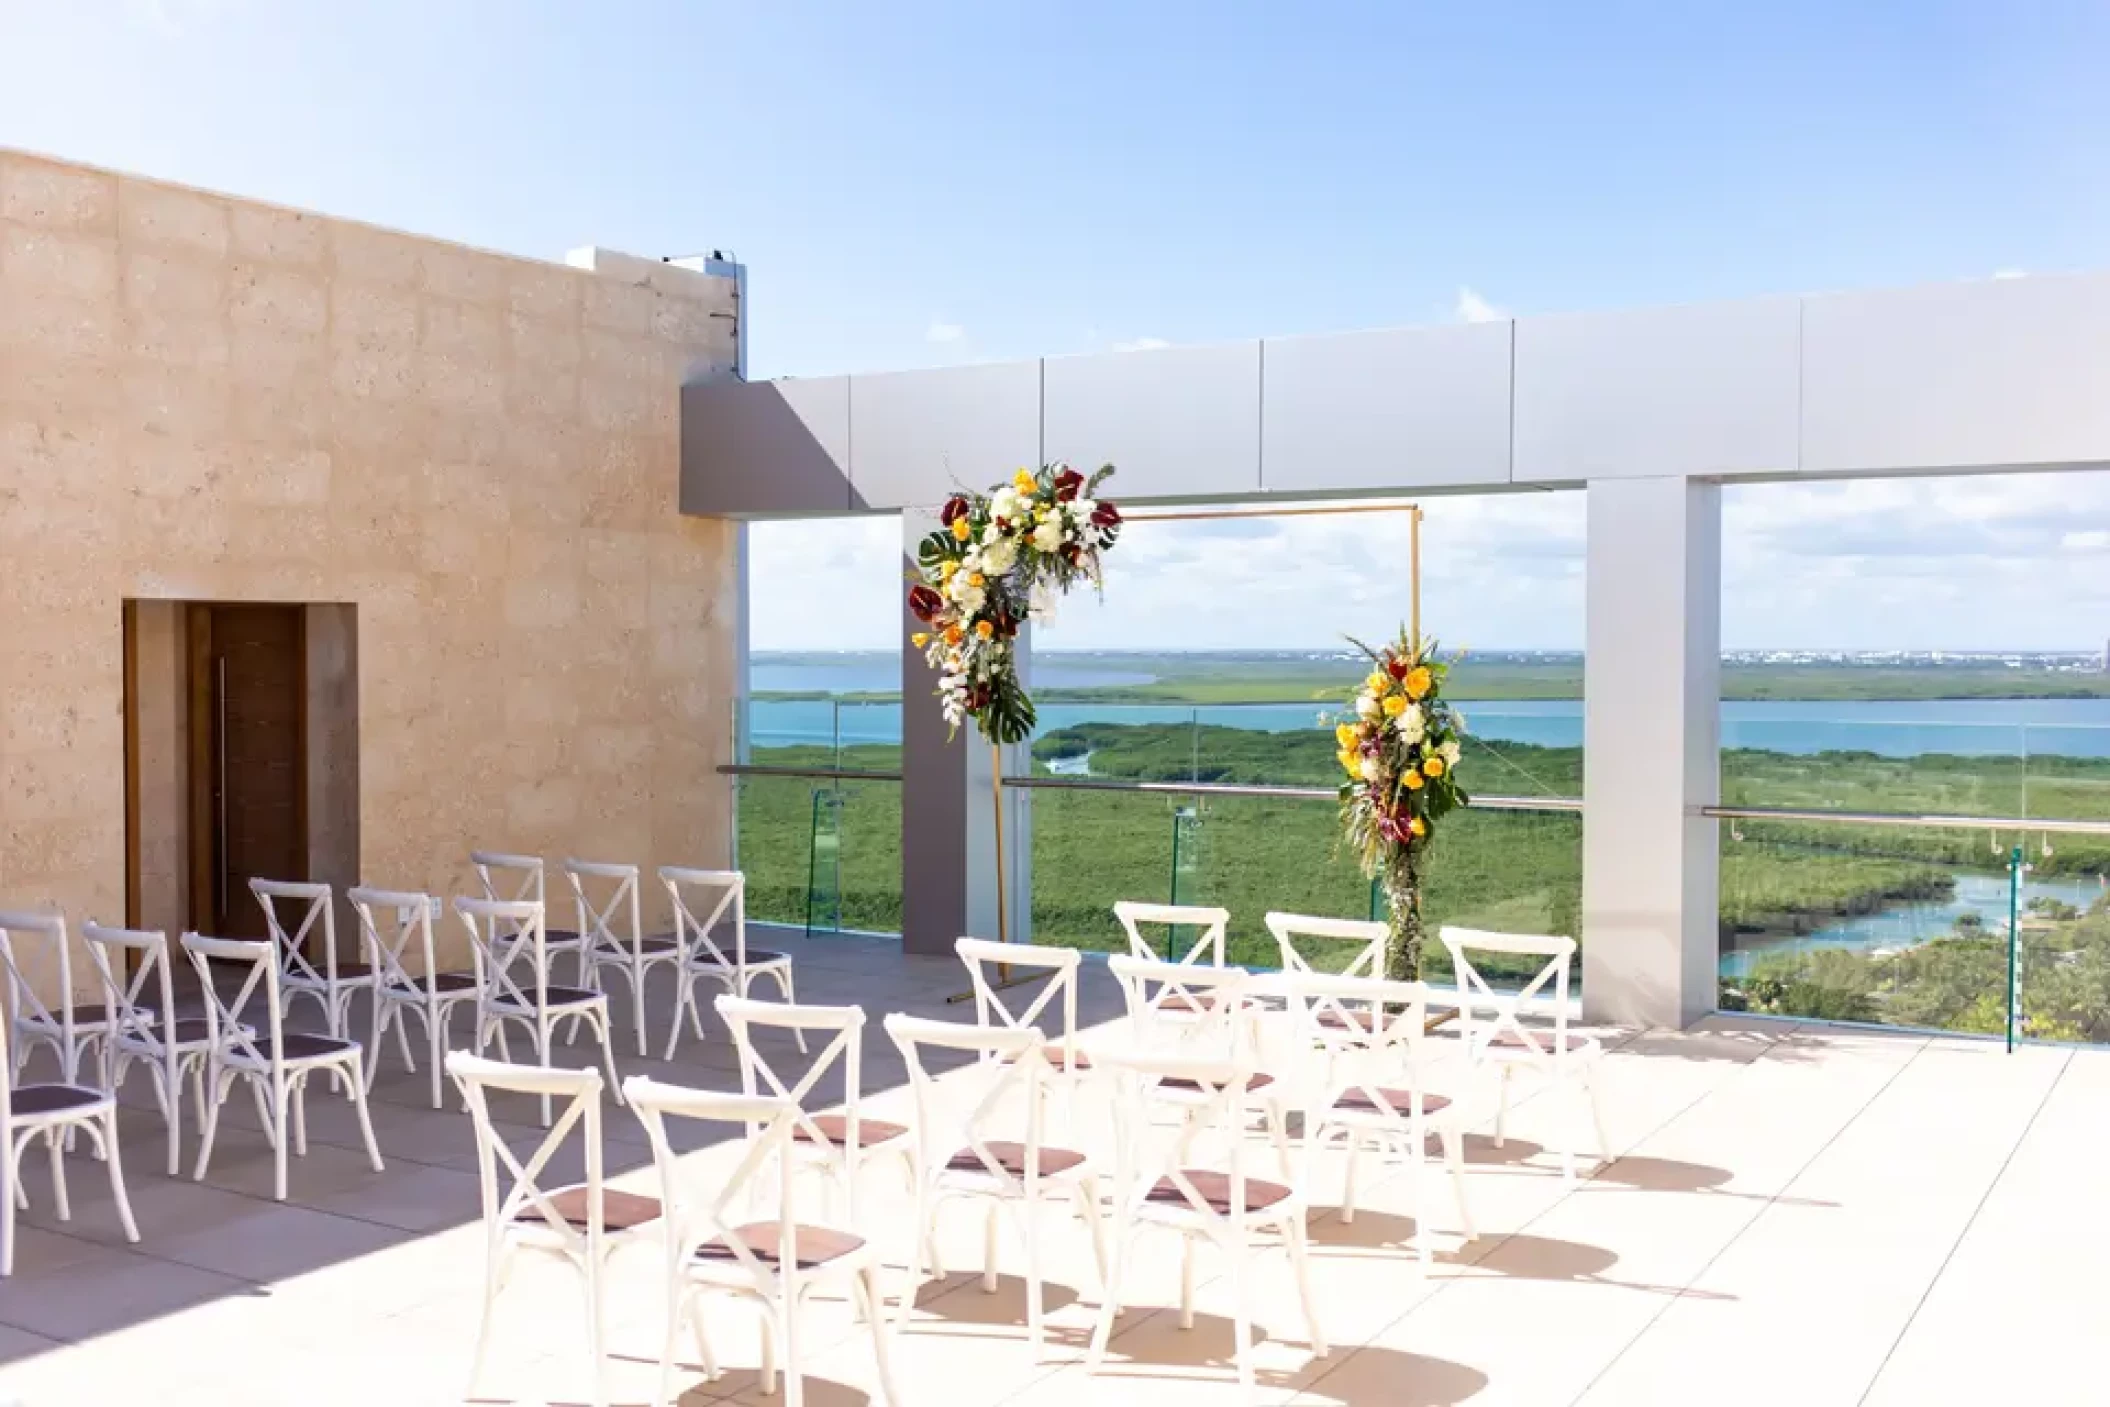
(1804, 1215)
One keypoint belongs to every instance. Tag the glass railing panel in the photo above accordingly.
(1257, 854)
(871, 845)
(819, 855)
(1092, 848)
(1508, 871)
(1898, 925)
(1913, 758)
(775, 821)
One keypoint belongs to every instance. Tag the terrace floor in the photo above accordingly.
(1798, 1214)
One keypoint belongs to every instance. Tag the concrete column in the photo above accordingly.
(948, 806)
(1651, 750)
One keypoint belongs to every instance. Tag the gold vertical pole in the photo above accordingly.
(996, 793)
(1414, 570)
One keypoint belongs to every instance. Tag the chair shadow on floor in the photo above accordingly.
(1516, 1255)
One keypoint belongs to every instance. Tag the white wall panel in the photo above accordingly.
(2011, 371)
(1709, 389)
(1404, 408)
(1184, 421)
(916, 435)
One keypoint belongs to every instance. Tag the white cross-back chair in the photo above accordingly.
(1207, 949)
(174, 1048)
(332, 984)
(607, 900)
(978, 1136)
(512, 977)
(1373, 1087)
(1491, 1026)
(717, 894)
(837, 1144)
(250, 1042)
(581, 1223)
(520, 879)
(395, 932)
(716, 1246)
(71, 1031)
(51, 1112)
(1191, 1179)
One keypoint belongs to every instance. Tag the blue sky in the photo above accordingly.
(914, 184)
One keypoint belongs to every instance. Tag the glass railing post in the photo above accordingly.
(2014, 947)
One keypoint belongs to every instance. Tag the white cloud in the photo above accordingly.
(1471, 307)
(1142, 344)
(2011, 273)
(2093, 540)
(940, 331)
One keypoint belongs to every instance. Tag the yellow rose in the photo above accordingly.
(949, 569)
(1023, 481)
(1344, 735)
(1418, 826)
(984, 629)
(1418, 681)
(975, 579)
(919, 639)
(1412, 780)
(1434, 766)
(1349, 761)
(1394, 706)
(952, 635)
(960, 530)
(1378, 682)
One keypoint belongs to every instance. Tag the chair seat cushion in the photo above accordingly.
(813, 1246)
(652, 945)
(1215, 1189)
(836, 1129)
(561, 937)
(619, 1210)
(1259, 1079)
(84, 1016)
(1359, 1101)
(557, 994)
(1190, 1001)
(55, 1099)
(1011, 1157)
(443, 982)
(756, 957)
(1543, 1040)
(305, 1045)
(192, 1030)
(346, 972)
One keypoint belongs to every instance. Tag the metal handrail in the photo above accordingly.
(1898, 818)
(1285, 793)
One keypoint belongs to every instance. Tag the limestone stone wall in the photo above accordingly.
(205, 398)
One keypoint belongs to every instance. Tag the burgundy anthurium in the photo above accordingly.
(1396, 667)
(1106, 516)
(925, 602)
(1067, 483)
(955, 507)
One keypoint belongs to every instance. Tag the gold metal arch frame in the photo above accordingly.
(1200, 515)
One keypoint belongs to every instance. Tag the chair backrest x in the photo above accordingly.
(24, 932)
(715, 893)
(512, 1185)
(959, 1117)
(1176, 1005)
(744, 1016)
(1485, 1015)
(698, 1216)
(1207, 948)
(236, 1022)
(607, 900)
(395, 930)
(143, 1000)
(1058, 991)
(282, 899)
(1358, 944)
(1377, 1030)
(1211, 1099)
(506, 939)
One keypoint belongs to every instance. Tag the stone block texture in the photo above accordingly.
(205, 398)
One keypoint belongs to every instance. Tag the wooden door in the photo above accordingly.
(248, 727)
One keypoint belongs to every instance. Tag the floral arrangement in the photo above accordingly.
(1399, 749)
(996, 561)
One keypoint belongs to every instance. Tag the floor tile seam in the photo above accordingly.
(1992, 1185)
(1758, 1210)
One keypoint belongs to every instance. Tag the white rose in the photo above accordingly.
(1450, 751)
(1413, 723)
(1366, 706)
(972, 598)
(1369, 769)
(998, 558)
(1048, 536)
(1081, 509)
(1004, 503)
